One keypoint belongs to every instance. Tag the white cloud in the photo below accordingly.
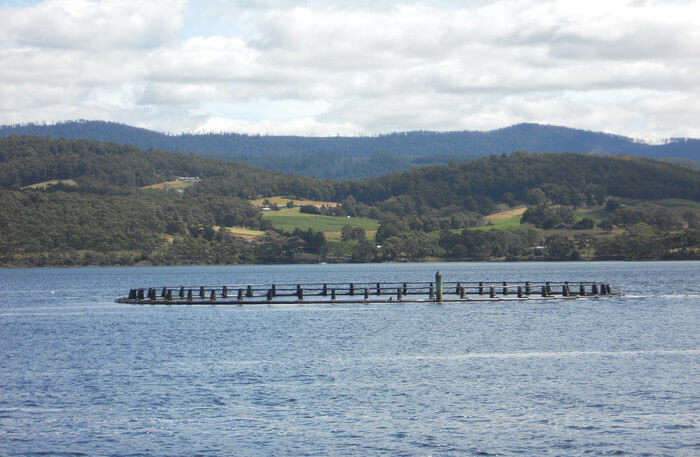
(326, 68)
(84, 24)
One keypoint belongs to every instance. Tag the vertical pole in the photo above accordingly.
(520, 291)
(379, 289)
(249, 291)
(492, 292)
(527, 287)
(352, 288)
(212, 296)
(189, 295)
(224, 292)
(201, 292)
(481, 288)
(182, 291)
(324, 292)
(438, 287)
(333, 294)
(505, 288)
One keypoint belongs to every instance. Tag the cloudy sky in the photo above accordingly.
(327, 68)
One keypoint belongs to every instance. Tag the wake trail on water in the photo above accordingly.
(628, 296)
(543, 354)
(695, 296)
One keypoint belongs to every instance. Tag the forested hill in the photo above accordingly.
(66, 202)
(362, 157)
(522, 178)
(563, 178)
(113, 168)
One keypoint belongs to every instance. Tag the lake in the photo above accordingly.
(82, 375)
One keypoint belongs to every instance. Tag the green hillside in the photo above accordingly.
(66, 202)
(569, 179)
(290, 219)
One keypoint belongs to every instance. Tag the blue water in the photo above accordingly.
(81, 375)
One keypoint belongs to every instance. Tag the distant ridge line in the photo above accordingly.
(50, 125)
(357, 157)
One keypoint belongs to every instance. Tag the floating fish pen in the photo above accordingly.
(437, 291)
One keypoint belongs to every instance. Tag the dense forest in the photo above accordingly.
(67, 202)
(364, 157)
(28, 160)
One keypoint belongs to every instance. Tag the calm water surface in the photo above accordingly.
(81, 375)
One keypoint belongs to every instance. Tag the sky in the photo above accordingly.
(327, 67)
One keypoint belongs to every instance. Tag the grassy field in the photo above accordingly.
(503, 220)
(51, 182)
(288, 219)
(170, 185)
(506, 215)
(337, 236)
(245, 233)
(282, 201)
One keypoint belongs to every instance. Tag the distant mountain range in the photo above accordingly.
(362, 157)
